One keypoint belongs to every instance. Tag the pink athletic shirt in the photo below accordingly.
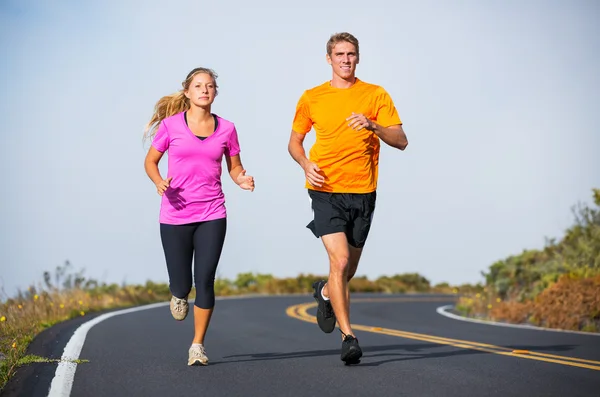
(195, 193)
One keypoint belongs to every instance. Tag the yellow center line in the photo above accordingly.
(300, 312)
(403, 299)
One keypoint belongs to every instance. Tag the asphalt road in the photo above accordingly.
(269, 346)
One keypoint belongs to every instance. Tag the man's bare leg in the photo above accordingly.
(352, 266)
(354, 258)
(336, 245)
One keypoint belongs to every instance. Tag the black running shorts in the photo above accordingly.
(350, 213)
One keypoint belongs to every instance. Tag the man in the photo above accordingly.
(349, 117)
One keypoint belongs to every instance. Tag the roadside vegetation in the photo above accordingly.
(556, 287)
(64, 295)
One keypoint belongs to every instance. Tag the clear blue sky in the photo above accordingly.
(499, 101)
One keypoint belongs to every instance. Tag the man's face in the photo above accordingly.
(343, 59)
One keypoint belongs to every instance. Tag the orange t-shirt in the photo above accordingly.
(348, 159)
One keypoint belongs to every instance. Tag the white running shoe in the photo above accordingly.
(197, 355)
(179, 308)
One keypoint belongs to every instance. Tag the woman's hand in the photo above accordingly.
(244, 181)
(163, 185)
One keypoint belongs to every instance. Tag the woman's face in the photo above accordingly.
(202, 90)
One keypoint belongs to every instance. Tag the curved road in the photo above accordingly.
(270, 346)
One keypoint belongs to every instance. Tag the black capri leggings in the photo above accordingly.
(203, 241)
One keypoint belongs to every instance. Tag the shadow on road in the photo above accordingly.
(398, 352)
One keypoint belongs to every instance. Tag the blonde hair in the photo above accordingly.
(175, 103)
(341, 37)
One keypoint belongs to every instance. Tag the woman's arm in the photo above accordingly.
(238, 173)
(151, 166)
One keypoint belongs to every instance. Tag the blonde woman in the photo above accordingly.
(193, 217)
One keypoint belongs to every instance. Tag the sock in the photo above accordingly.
(197, 344)
(324, 297)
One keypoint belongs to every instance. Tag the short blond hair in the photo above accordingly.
(341, 37)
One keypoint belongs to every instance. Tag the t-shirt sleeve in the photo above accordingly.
(302, 121)
(387, 114)
(161, 138)
(232, 147)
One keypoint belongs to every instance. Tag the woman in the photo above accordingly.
(192, 212)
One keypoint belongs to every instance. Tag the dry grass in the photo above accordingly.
(572, 303)
(22, 318)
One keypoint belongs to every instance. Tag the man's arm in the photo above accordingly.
(393, 135)
(296, 150)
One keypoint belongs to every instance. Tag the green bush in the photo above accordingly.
(525, 276)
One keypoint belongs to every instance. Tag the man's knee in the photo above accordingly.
(339, 264)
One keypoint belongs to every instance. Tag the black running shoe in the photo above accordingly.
(351, 351)
(325, 314)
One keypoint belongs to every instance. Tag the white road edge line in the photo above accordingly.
(62, 383)
(65, 372)
(443, 310)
